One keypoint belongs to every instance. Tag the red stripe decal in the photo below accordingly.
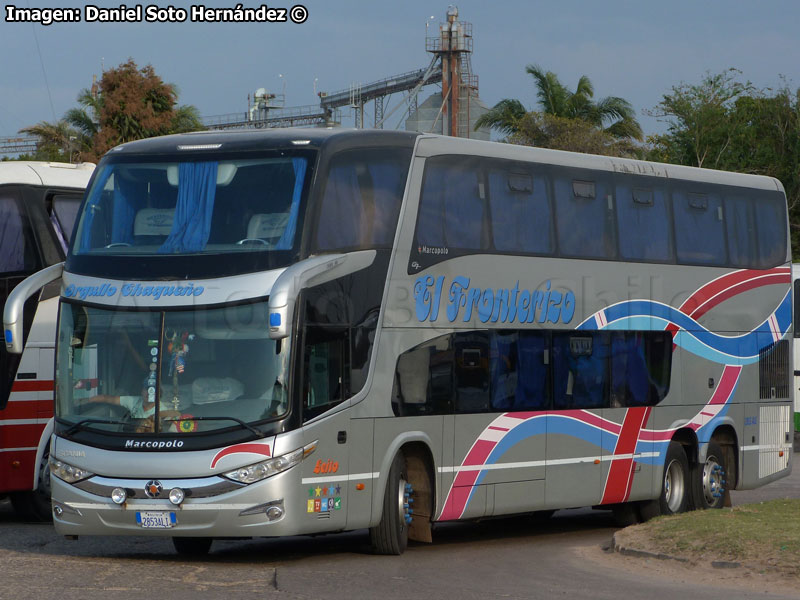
(262, 449)
(43, 385)
(620, 473)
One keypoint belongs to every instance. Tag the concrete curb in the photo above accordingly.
(626, 551)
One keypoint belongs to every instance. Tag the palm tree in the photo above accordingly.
(55, 139)
(612, 115)
(504, 116)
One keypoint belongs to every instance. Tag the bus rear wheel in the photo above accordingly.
(710, 479)
(390, 536)
(674, 496)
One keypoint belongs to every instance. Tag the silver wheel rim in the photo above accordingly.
(402, 505)
(674, 489)
(713, 486)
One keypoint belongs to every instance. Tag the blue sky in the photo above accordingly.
(637, 50)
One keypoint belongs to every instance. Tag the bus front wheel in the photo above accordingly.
(390, 536)
(674, 494)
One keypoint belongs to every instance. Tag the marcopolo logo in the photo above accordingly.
(503, 305)
(108, 290)
(154, 444)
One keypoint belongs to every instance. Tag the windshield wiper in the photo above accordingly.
(239, 421)
(80, 424)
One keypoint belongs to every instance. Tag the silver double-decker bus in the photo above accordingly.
(271, 333)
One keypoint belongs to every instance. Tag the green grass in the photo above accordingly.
(764, 535)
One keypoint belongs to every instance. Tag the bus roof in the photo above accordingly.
(257, 139)
(46, 173)
(431, 145)
(341, 138)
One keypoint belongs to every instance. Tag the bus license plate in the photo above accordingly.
(156, 519)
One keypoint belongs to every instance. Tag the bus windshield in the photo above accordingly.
(177, 206)
(167, 372)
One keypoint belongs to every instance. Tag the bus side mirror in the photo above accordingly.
(308, 273)
(12, 312)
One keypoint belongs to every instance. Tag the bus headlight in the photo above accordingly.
(67, 472)
(272, 466)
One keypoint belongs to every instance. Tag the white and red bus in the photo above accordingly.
(38, 205)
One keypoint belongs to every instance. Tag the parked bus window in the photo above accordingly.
(770, 217)
(17, 248)
(699, 230)
(522, 218)
(361, 200)
(580, 370)
(519, 370)
(452, 207)
(741, 229)
(584, 217)
(640, 367)
(643, 222)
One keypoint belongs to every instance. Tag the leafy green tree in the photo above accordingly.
(574, 135)
(567, 120)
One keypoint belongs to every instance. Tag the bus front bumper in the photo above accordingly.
(270, 508)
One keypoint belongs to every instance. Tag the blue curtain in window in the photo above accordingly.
(124, 211)
(92, 207)
(287, 239)
(532, 372)
(197, 185)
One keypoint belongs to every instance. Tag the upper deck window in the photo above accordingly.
(584, 216)
(452, 207)
(643, 221)
(361, 199)
(224, 205)
(699, 228)
(522, 215)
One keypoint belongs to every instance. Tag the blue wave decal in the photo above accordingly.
(733, 350)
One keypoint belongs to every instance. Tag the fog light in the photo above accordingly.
(176, 495)
(118, 496)
(274, 513)
(58, 511)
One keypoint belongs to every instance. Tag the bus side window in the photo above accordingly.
(522, 217)
(325, 358)
(699, 232)
(643, 222)
(18, 252)
(361, 201)
(770, 217)
(741, 228)
(584, 216)
(63, 211)
(581, 370)
(452, 206)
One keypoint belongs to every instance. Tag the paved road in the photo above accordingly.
(507, 558)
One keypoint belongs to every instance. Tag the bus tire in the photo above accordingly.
(710, 479)
(390, 536)
(192, 546)
(36, 505)
(675, 490)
